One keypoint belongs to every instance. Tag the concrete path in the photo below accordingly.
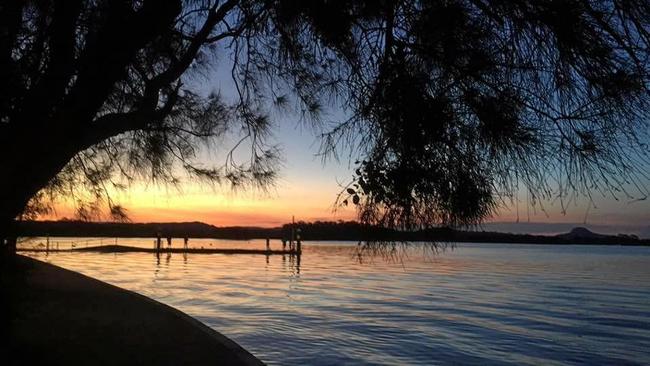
(58, 317)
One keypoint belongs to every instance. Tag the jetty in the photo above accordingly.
(130, 249)
(291, 246)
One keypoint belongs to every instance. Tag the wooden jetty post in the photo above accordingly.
(298, 241)
(293, 232)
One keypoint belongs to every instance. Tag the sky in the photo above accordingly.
(307, 189)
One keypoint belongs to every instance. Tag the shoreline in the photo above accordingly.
(60, 317)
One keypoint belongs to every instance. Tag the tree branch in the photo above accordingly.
(174, 71)
(111, 50)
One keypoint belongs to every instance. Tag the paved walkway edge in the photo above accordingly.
(235, 351)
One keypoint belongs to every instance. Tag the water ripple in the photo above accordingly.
(477, 304)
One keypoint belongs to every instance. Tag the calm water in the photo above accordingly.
(475, 304)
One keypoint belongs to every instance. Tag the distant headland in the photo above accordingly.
(319, 230)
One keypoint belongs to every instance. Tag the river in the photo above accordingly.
(467, 304)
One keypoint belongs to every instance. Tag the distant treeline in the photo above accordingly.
(355, 231)
(319, 230)
(142, 230)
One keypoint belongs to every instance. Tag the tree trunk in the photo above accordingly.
(28, 164)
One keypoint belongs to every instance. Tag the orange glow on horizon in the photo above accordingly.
(221, 207)
(308, 199)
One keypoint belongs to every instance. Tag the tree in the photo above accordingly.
(452, 104)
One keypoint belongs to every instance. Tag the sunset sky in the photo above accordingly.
(307, 188)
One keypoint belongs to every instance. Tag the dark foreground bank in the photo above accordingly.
(57, 317)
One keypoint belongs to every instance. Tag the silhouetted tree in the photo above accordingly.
(458, 104)
(452, 105)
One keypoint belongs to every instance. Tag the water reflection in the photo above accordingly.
(397, 251)
(477, 304)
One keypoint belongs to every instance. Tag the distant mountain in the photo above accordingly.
(581, 233)
(555, 228)
(318, 230)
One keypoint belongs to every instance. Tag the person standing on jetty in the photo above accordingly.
(169, 242)
(185, 240)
